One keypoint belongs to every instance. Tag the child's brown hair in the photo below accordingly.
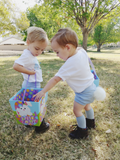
(36, 34)
(66, 36)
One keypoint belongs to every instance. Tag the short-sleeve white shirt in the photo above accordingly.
(30, 62)
(76, 72)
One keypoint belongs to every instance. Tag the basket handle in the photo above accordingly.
(26, 87)
(93, 68)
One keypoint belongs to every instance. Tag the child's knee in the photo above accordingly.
(87, 107)
(77, 112)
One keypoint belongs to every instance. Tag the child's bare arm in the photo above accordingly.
(52, 82)
(21, 69)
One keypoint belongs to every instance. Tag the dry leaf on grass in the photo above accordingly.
(108, 131)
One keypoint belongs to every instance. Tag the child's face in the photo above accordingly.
(37, 47)
(62, 53)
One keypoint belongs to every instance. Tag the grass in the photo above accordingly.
(20, 143)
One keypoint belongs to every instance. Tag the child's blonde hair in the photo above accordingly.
(36, 34)
(66, 36)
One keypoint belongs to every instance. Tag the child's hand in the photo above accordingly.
(38, 96)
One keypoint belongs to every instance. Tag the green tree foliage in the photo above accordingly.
(22, 23)
(10, 23)
(41, 16)
(105, 32)
(87, 13)
(50, 20)
(6, 22)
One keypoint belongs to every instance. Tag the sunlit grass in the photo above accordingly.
(18, 142)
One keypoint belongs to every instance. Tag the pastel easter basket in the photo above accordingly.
(25, 109)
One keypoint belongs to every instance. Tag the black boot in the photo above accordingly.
(90, 123)
(79, 133)
(42, 128)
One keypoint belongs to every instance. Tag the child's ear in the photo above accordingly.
(28, 42)
(68, 46)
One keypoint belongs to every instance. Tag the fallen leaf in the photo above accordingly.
(48, 121)
(108, 131)
(94, 150)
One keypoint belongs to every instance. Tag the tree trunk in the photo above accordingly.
(85, 37)
(98, 47)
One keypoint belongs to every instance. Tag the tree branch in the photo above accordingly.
(94, 20)
(78, 19)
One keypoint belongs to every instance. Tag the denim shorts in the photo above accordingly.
(86, 96)
(30, 84)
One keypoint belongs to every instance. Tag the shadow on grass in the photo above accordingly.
(105, 51)
(19, 142)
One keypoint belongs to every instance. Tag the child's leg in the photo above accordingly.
(89, 112)
(80, 131)
(77, 109)
(90, 121)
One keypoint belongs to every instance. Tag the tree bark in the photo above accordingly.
(98, 47)
(85, 37)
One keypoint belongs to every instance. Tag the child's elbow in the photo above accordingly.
(15, 66)
(57, 79)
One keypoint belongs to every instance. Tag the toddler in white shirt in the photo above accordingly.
(28, 64)
(76, 72)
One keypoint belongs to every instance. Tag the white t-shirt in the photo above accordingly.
(76, 72)
(30, 62)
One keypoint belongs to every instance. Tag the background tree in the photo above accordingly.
(47, 20)
(86, 13)
(22, 23)
(10, 22)
(50, 21)
(6, 22)
(106, 32)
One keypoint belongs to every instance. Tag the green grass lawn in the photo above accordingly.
(20, 143)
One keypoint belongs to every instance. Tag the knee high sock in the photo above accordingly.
(90, 114)
(81, 121)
